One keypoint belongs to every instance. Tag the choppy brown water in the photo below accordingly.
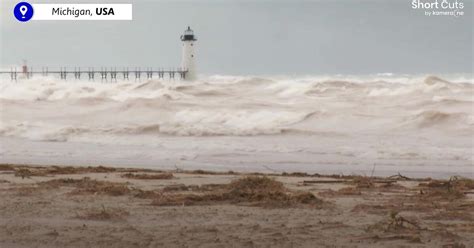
(396, 121)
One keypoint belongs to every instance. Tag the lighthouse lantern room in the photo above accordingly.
(189, 59)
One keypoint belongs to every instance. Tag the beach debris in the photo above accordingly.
(249, 190)
(89, 186)
(349, 191)
(27, 173)
(396, 227)
(297, 174)
(201, 188)
(454, 188)
(178, 187)
(363, 182)
(399, 177)
(6, 167)
(144, 176)
(399, 222)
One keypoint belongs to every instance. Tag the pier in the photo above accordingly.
(104, 74)
(187, 70)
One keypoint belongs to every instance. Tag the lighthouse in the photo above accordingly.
(189, 58)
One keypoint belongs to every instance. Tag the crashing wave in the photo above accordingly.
(54, 110)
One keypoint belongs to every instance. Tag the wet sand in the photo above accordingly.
(52, 206)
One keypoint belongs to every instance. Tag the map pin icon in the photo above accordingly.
(23, 10)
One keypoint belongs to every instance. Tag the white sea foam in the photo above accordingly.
(225, 105)
(330, 119)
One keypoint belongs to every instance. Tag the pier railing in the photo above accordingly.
(104, 74)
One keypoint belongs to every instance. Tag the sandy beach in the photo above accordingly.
(57, 206)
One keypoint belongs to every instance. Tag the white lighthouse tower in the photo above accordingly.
(189, 58)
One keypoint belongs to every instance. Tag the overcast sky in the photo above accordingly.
(252, 37)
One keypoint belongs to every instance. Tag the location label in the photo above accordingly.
(23, 11)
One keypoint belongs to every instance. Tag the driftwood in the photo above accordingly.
(399, 176)
(397, 221)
